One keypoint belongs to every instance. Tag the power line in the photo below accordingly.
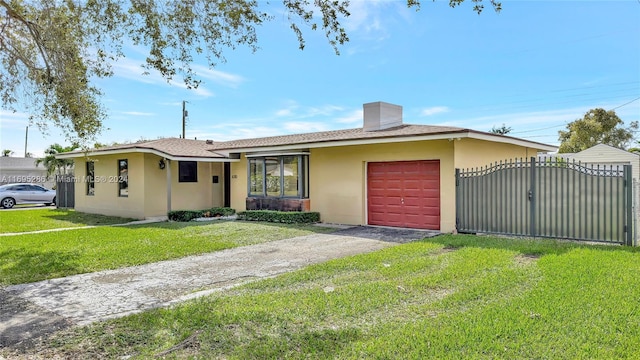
(557, 126)
(636, 99)
(532, 130)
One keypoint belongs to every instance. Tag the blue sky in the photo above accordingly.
(535, 66)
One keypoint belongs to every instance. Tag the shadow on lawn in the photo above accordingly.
(526, 246)
(75, 217)
(175, 225)
(23, 266)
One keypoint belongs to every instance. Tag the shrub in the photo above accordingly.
(286, 217)
(188, 215)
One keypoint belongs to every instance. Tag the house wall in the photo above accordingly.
(20, 170)
(147, 187)
(239, 184)
(198, 195)
(106, 200)
(155, 184)
(338, 178)
(471, 153)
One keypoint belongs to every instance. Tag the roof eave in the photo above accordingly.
(396, 139)
(146, 151)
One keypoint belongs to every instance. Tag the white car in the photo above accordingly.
(12, 194)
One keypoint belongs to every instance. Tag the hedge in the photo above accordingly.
(286, 217)
(188, 215)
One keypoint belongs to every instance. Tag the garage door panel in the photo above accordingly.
(404, 194)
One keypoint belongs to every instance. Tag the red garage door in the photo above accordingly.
(404, 194)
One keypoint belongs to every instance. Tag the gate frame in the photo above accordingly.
(532, 195)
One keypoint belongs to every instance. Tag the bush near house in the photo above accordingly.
(188, 215)
(286, 217)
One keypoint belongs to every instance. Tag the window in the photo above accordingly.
(188, 171)
(272, 175)
(123, 178)
(90, 178)
(256, 184)
(279, 176)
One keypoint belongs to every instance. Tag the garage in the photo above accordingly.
(404, 194)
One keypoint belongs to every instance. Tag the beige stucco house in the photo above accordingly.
(384, 173)
(143, 180)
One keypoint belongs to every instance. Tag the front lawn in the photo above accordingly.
(15, 221)
(33, 257)
(450, 297)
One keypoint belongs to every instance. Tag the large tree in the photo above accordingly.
(597, 126)
(51, 51)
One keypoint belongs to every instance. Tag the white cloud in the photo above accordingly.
(284, 112)
(172, 103)
(356, 116)
(13, 120)
(296, 111)
(132, 70)
(434, 110)
(234, 134)
(220, 77)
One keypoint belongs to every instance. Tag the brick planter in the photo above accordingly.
(278, 204)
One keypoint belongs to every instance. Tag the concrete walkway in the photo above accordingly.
(32, 310)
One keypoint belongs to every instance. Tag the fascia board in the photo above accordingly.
(444, 136)
(146, 151)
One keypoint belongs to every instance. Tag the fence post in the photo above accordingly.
(457, 199)
(628, 208)
(532, 199)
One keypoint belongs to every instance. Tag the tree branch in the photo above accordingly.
(33, 30)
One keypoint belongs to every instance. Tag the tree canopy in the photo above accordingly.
(53, 165)
(503, 130)
(598, 126)
(51, 51)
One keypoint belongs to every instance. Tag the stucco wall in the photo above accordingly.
(471, 153)
(239, 184)
(155, 180)
(106, 200)
(147, 187)
(338, 178)
(194, 196)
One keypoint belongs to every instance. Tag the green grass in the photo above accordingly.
(45, 219)
(450, 297)
(33, 257)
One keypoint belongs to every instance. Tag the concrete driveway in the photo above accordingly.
(32, 310)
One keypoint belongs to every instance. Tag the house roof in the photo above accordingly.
(358, 135)
(19, 163)
(199, 150)
(171, 148)
(600, 148)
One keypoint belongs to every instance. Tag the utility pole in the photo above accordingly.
(184, 117)
(26, 137)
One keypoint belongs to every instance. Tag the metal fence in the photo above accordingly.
(65, 191)
(550, 198)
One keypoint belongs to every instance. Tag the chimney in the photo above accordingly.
(381, 115)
